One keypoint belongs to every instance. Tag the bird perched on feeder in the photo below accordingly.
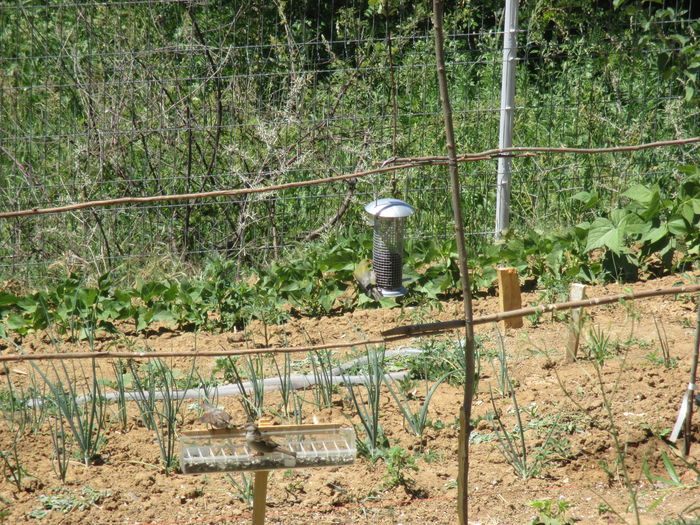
(261, 444)
(366, 279)
(214, 416)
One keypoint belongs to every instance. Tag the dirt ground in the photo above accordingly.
(583, 469)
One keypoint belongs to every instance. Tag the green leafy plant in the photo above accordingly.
(677, 51)
(253, 402)
(398, 462)
(120, 369)
(13, 406)
(652, 227)
(501, 373)
(607, 393)
(284, 376)
(599, 346)
(440, 357)
(237, 370)
(673, 480)
(551, 512)
(65, 501)
(667, 360)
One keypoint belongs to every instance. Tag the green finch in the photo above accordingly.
(364, 275)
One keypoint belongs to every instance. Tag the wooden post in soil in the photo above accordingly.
(509, 295)
(577, 292)
(259, 497)
(466, 409)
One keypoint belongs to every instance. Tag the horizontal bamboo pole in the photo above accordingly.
(184, 353)
(542, 308)
(388, 336)
(389, 165)
(230, 193)
(490, 153)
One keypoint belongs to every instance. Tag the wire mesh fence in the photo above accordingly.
(103, 100)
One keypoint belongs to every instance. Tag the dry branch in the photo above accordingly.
(338, 215)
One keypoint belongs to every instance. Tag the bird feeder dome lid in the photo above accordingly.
(389, 208)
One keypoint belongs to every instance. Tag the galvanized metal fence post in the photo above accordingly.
(505, 135)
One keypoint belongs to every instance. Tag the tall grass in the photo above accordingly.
(284, 375)
(322, 366)
(120, 368)
(11, 462)
(602, 348)
(367, 405)
(417, 419)
(161, 416)
(252, 400)
(61, 447)
(86, 420)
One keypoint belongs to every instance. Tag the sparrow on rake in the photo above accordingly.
(261, 444)
(214, 416)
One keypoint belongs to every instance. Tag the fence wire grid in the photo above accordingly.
(103, 100)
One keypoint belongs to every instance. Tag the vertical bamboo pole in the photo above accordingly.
(259, 497)
(466, 409)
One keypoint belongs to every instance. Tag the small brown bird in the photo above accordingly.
(214, 416)
(262, 444)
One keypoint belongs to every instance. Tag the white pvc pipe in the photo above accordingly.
(505, 133)
(271, 383)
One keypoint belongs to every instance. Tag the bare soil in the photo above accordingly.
(643, 396)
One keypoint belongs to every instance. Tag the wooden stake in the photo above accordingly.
(577, 292)
(509, 296)
(259, 497)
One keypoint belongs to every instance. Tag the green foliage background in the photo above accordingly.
(103, 100)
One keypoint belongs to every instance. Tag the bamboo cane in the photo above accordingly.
(466, 409)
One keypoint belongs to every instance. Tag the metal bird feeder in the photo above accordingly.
(224, 450)
(387, 250)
